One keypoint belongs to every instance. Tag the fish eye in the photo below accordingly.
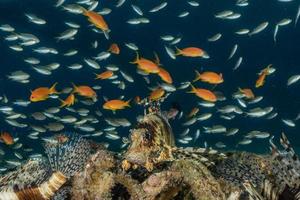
(147, 136)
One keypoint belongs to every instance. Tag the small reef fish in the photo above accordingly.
(7, 138)
(69, 101)
(191, 52)
(114, 48)
(105, 75)
(146, 65)
(209, 77)
(42, 93)
(247, 93)
(262, 76)
(165, 75)
(204, 94)
(116, 104)
(96, 19)
(193, 112)
(85, 91)
(157, 94)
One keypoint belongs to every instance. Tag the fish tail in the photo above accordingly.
(84, 11)
(136, 59)
(75, 100)
(157, 60)
(97, 77)
(53, 89)
(128, 103)
(193, 89)
(63, 103)
(178, 51)
(75, 88)
(110, 49)
(267, 69)
(197, 76)
(106, 33)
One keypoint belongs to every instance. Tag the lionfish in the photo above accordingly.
(37, 180)
(274, 177)
(270, 177)
(152, 141)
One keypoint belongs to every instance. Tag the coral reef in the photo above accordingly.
(153, 168)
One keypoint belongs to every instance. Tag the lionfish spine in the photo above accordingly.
(43, 192)
(249, 187)
(269, 191)
(11, 195)
(181, 153)
(66, 159)
(297, 196)
(55, 182)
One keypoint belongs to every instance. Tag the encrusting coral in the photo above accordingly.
(153, 168)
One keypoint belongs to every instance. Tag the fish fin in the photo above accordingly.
(193, 89)
(43, 99)
(200, 155)
(97, 77)
(110, 49)
(75, 88)
(178, 51)
(197, 76)
(94, 99)
(267, 69)
(84, 11)
(252, 191)
(128, 103)
(63, 103)
(157, 60)
(53, 89)
(136, 59)
(106, 34)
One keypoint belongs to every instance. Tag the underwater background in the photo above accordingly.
(257, 51)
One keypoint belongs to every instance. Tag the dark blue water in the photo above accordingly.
(257, 51)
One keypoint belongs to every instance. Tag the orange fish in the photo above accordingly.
(262, 76)
(61, 138)
(42, 93)
(114, 48)
(96, 19)
(146, 65)
(191, 52)
(209, 77)
(247, 92)
(165, 75)
(69, 101)
(105, 75)
(205, 94)
(85, 91)
(7, 138)
(193, 112)
(137, 99)
(116, 104)
(156, 94)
